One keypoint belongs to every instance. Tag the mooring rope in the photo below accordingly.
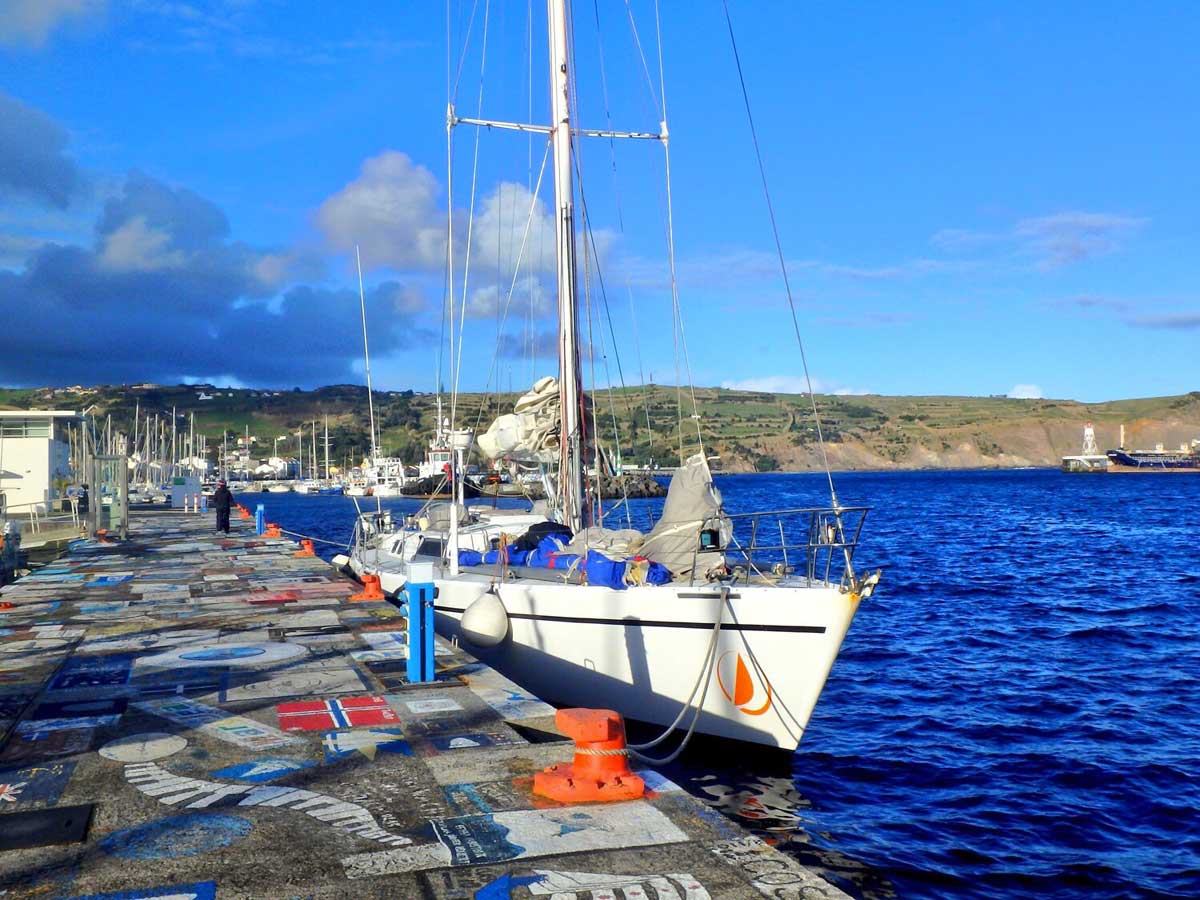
(704, 678)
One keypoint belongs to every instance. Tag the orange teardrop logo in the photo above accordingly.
(744, 688)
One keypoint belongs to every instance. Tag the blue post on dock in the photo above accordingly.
(260, 519)
(419, 594)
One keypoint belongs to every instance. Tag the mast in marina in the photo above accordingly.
(570, 476)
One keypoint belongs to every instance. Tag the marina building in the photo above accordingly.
(34, 453)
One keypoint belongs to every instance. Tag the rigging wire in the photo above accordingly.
(671, 245)
(470, 219)
(493, 369)
(597, 502)
(637, 40)
(612, 153)
(590, 238)
(762, 172)
(453, 94)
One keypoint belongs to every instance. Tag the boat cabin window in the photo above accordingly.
(431, 547)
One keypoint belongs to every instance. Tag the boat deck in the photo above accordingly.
(148, 748)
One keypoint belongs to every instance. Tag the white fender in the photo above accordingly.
(485, 622)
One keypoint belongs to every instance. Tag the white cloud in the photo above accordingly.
(500, 226)
(1056, 240)
(391, 212)
(790, 384)
(218, 381)
(138, 247)
(1025, 392)
(1180, 320)
(404, 299)
(31, 21)
(1069, 237)
(529, 296)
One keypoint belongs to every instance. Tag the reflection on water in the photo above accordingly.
(756, 788)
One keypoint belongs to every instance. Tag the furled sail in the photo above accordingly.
(531, 432)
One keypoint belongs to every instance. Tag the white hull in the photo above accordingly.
(640, 651)
(386, 490)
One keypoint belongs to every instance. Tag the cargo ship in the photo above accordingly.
(1185, 459)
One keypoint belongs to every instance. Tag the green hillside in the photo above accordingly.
(749, 431)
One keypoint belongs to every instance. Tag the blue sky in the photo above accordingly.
(972, 198)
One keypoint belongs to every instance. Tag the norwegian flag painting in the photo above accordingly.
(345, 712)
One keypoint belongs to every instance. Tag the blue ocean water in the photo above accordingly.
(1016, 712)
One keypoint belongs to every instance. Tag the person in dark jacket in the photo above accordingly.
(222, 501)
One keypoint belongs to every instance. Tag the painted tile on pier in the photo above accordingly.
(344, 712)
(472, 741)
(572, 884)
(297, 683)
(44, 745)
(89, 672)
(263, 770)
(33, 786)
(200, 890)
(498, 837)
(367, 742)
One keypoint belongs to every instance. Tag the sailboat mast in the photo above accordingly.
(570, 389)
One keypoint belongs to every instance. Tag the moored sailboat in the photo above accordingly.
(724, 624)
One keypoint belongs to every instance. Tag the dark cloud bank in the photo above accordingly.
(33, 161)
(164, 291)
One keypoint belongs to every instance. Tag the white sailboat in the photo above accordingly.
(741, 638)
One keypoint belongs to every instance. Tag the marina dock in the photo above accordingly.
(193, 715)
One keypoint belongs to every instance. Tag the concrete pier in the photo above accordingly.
(191, 715)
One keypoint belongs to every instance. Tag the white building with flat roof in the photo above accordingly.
(34, 452)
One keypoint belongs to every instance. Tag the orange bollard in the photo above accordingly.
(244, 513)
(600, 770)
(306, 549)
(273, 530)
(371, 590)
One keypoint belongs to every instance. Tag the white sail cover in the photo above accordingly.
(693, 505)
(530, 432)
